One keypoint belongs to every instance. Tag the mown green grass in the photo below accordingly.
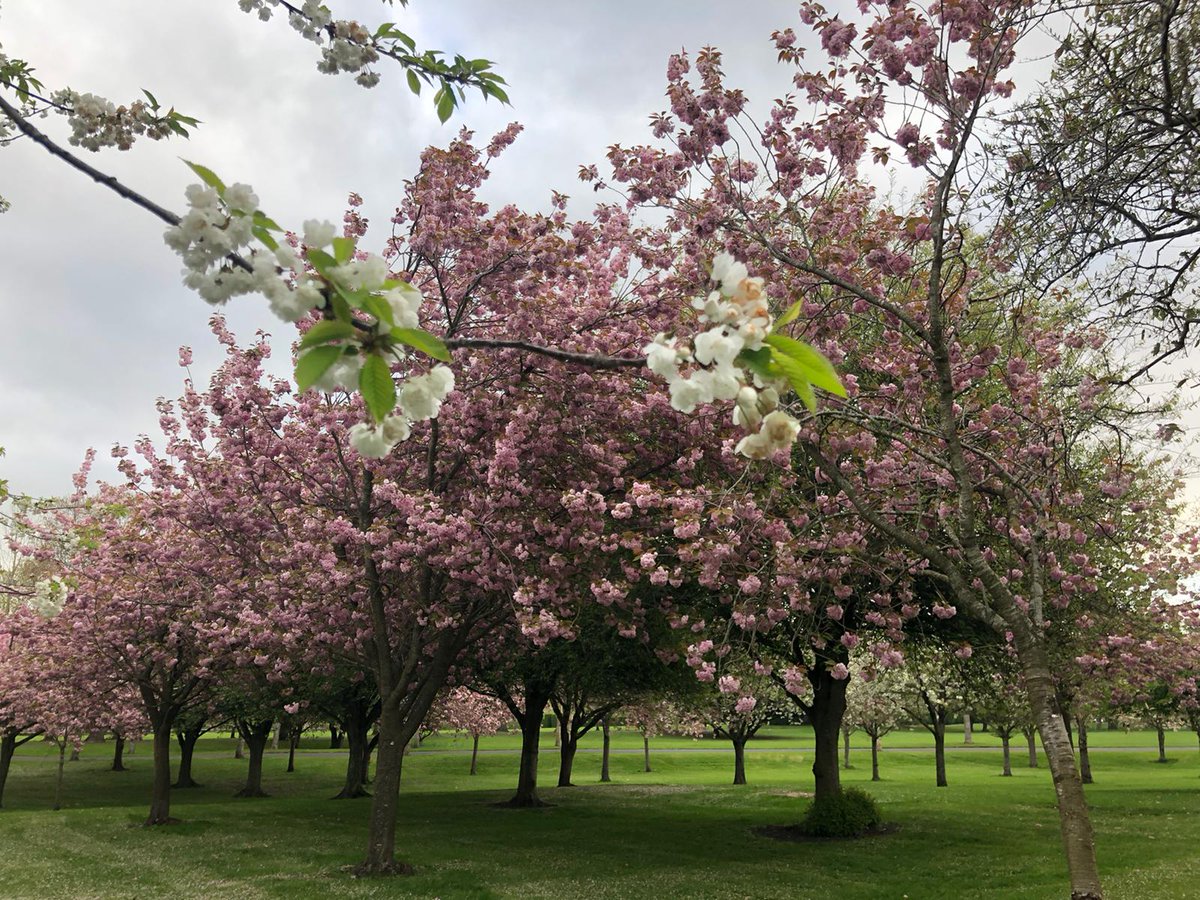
(679, 831)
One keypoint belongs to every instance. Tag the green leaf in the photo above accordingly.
(794, 370)
(265, 236)
(312, 364)
(759, 362)
(208, 176)
(379, 308)
(445, 106)
(343, 249)
(262, 220)
(150, 97)
(377, 388)
(422, 340)
(321, 261)
(414, 83)
(791, 315)
(816, 368)
(325, 331)
(341, 308)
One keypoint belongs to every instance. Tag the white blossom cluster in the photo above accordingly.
(48, 597)
(420, 398)
(740, 319)
(217, 226)
(96, 122)
(351, 48)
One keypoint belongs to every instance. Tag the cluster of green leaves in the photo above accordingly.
(174, 120)
(801, 365)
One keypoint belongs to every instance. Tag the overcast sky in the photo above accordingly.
(93, 308)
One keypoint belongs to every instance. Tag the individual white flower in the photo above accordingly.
(363, 274)
(417, 399)
(662, 357)
(369, 440)
(405, 302)
(753, 446)
(441, 381)
(725, 381)
(780, 429)
(716, 346)
(241, 196)
(341, 376)
(727, 271)
(746, 413)
(396, 428)
(688, 393)
(319, 234)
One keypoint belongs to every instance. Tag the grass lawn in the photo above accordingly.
(679, 831)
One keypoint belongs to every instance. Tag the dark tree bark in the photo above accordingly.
(566, 760)
(846, 748)
(739, 760)
(293, 743)
(875, 759)
(8, 747)
(531, 734)
(360, 713)
(74, 754)
(1030, 740)
(256, 735)
(381, 836)
(474, 753)
(187, 738)
(1162, 744)
(335, 737)
(646, 752)
(1085, 762)
(825, 712)
(939, 748)
(604, 773)
(58, 783)
(160, 793)
(1005, 740)
(118, 763)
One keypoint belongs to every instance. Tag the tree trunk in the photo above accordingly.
(557, 737)
(474, 753)
(968, 736)
(827, 708)
(58, 784)
(646, 751)
(1007, 756)
(1072, 805)
(381, 838)
(875, 759)
(939, 749)
(118, 763)
(846, 748)
(566, 760)
(256, 735)
(355, 730)
(739, 760)
(187, 738)
(74, 754)
(275, 735)
(160, 794)
(293, 743)
(1033, 754)
(1162, 743)
(1085, 762)
(8, 747)
(239, 749)
(531, 733)
(335, 737)
(604, 773)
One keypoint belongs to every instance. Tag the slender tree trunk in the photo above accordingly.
(239, 749)
(118, 763)
(74, 754)
(275, 735)
(1162, 743)
(293, 743)
(474, 753)
(187, 738)
(531, 734)
(1033, 754)
(968, 726)
(739, 760)
(335, 737)
(566, 761)
(604, 773)
(846, 748)
(256, 735)
(875, 759)
(58, 784)
(160, 794)
(355, 731)
(381, 841)
(1075, 821)
(646, 752)
(827, 708)
(557, 737)
(1004, 739)
(1085, 762)
(8, 747)
(939, 749)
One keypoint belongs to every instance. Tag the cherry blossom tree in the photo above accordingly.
(476, 714)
